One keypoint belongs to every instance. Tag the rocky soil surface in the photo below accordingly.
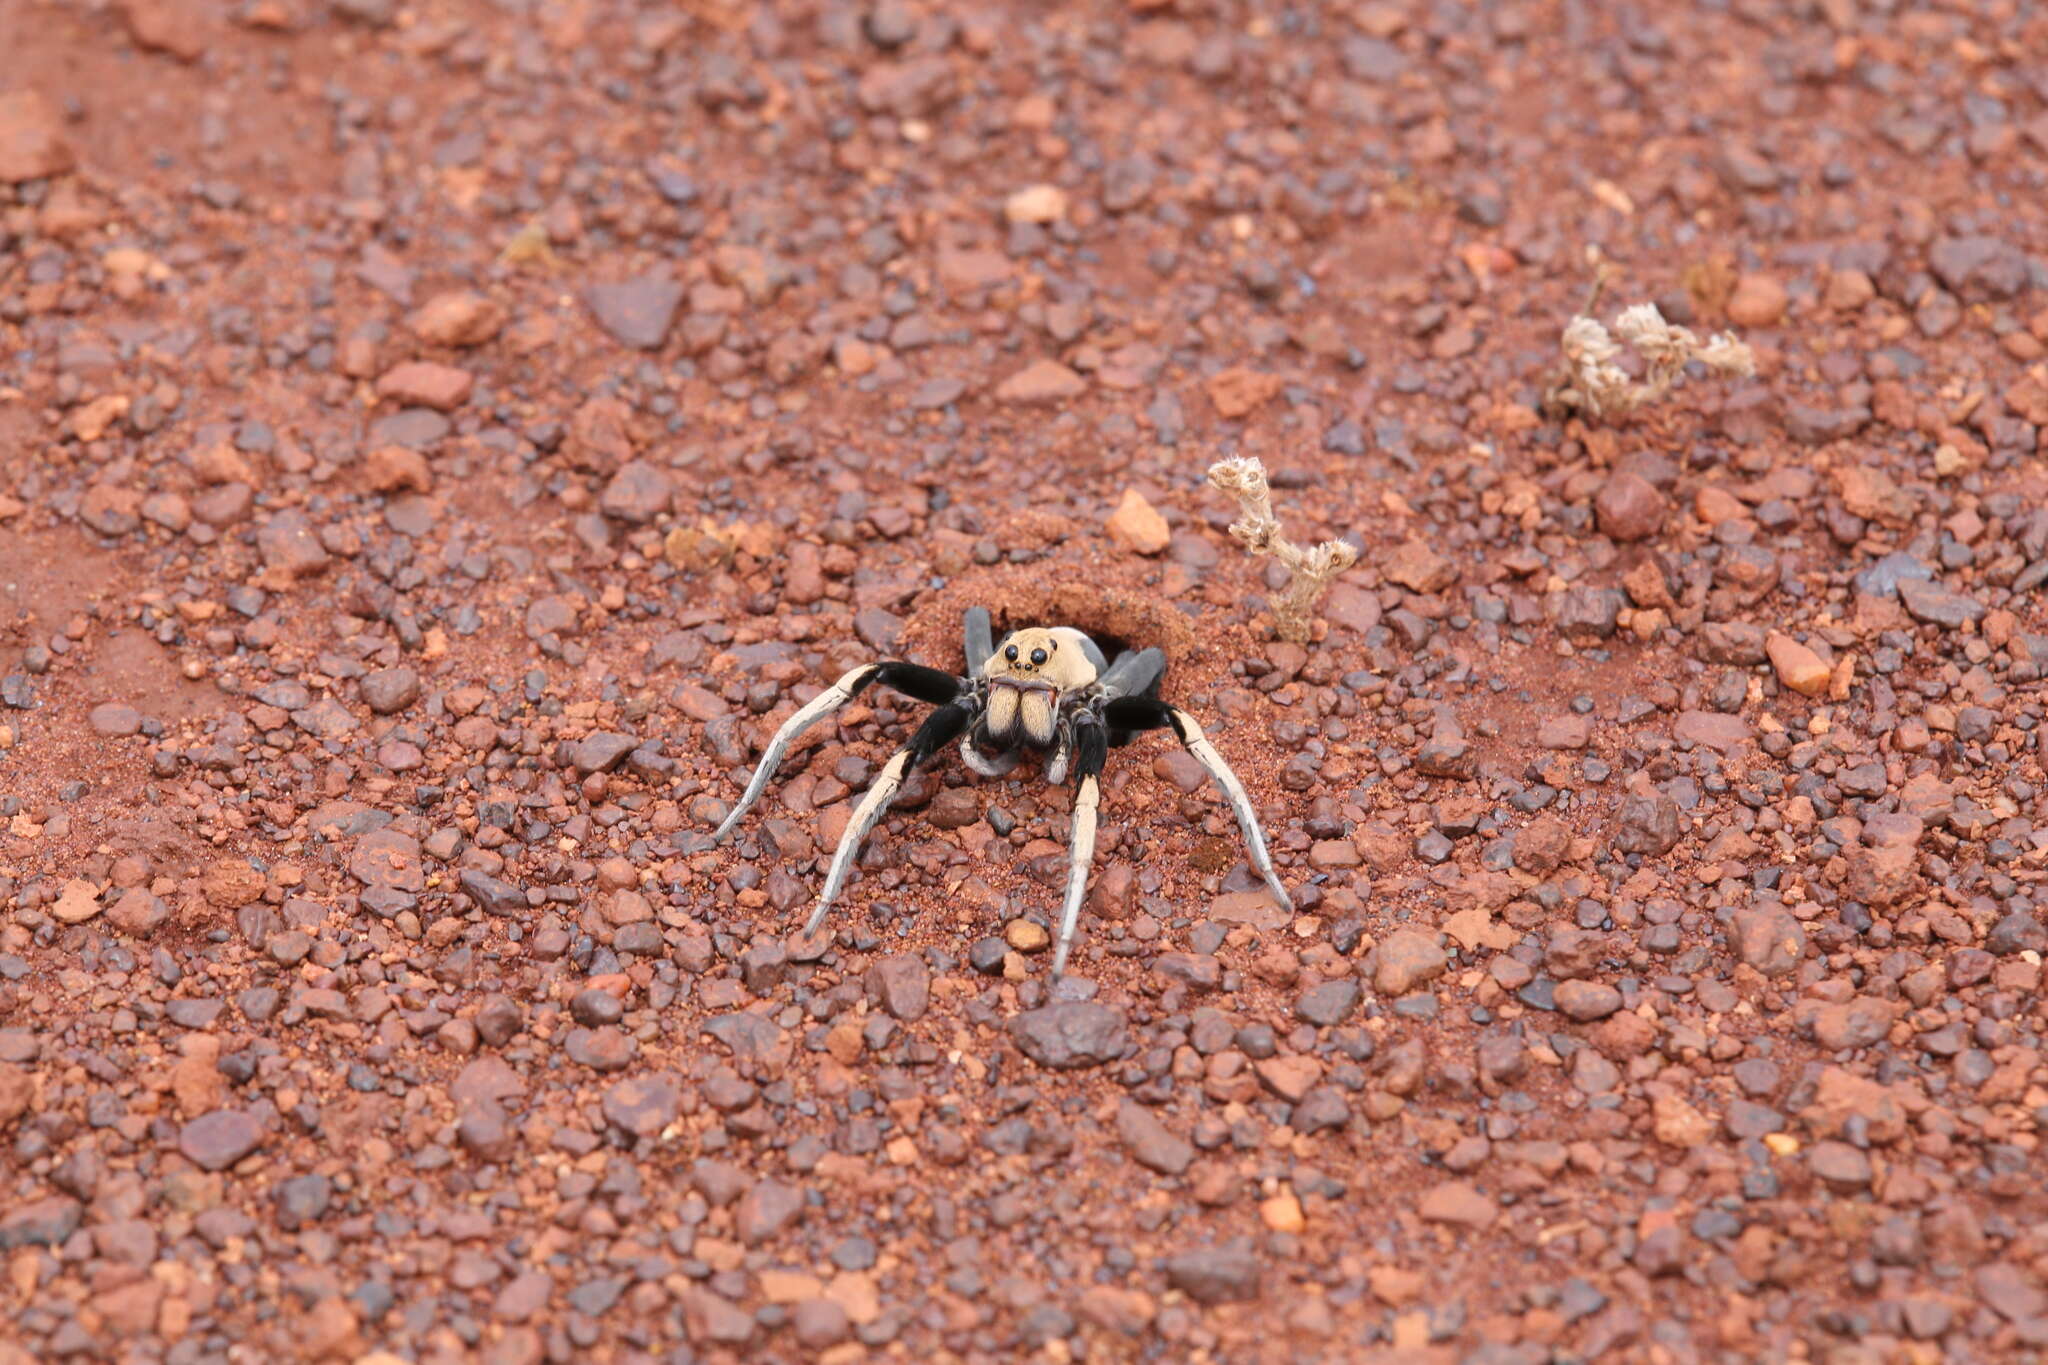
(439, 443)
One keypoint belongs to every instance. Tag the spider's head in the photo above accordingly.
(1056, 659)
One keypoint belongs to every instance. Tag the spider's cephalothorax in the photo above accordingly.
(1044, 689)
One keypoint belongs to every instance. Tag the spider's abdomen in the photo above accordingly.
(1021, 715)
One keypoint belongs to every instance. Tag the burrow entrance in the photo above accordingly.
(1116, 619)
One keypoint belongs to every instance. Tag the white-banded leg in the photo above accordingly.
(1092, 747)
(938, 730)
(1062, 755)
(1146, 713)
(915, 680)
(1196, 743)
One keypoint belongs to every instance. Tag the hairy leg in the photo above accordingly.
(1146, 713)
(1091, 748)
(940, 728)
(913, 680)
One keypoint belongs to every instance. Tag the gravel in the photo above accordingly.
(463, 437)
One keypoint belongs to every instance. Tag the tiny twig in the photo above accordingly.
(1589, 380)
(1258, 530)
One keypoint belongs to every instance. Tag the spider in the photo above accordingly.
(1044, 689)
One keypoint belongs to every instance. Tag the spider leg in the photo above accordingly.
(1062, 756)
(987, 765)
(980, 640)
(940, 728)
(1146, 713)
(1091, 746)
(914, 680)
(1136, 673)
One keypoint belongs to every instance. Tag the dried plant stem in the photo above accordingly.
(1258, 530)
(1592, 383)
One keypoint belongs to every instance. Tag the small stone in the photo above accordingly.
(1938, 605)
(638, 493)
(1419, 567)
(1758, 301)
(77, 903)
(1842, 1098)
(1586, 1001)
(601, 1049)
(493, 895)
(40, 1223)
(643, 1105)
(1069, 1035)
(1036, 204)
(1239, 392)
(602, 751)
(1150, 1143)
(1797, 666)
(482, 1129)
(879, 630)
(1137, 526)
(1712, 730)
(1979, 268)
(1460, 1205)
(2018, 932)
(1650, 825)
(1630, 508)
(709, 1317)
(115, 720)
(767, 1208)
(819, 1323)
(424, 384)
(216, 1141)
(499, 1020)
(1839, 1026)
(1407, 959)
(1127, 182)
(1543, 845)
(637, 312)
(1839, 1165)
(32, 144)
(303, 1199)
(901, 984)
(1328, 1004)
(1042, 381)
(1213, 1275)
(1768, 938)
(389, 690)
(139, 913)
(1027, 936)
(457, 319)
(1881, 875)
(290, 545)
(1848, 290)
(1282, 1213)
(393, 469)
(1677, 1124)
(1732, 642)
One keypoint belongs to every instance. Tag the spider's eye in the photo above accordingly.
(1038, 656)
(1011, 654)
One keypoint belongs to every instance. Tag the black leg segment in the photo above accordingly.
(980, 640)
(915, 680)
(1136, 673)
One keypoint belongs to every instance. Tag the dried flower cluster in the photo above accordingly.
(1258, 531)
(1594, 384)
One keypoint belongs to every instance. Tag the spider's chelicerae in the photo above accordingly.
(1043, 689)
